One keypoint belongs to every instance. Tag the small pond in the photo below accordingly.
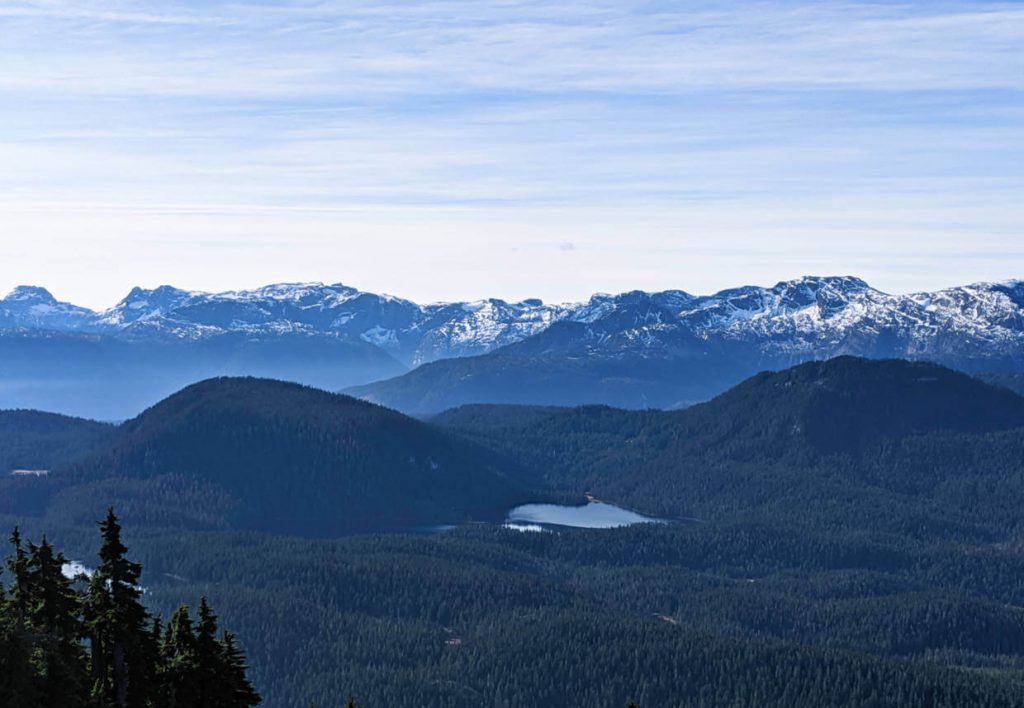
(593, 515)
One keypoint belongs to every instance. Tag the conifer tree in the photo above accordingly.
(53, 618)
(180, 680)
(53, 603)
(241, 693)
(123, 656)
(131, 662)
(17, 564)
(17, 684)
(213, 690)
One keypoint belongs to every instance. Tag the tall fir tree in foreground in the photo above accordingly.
(53, 615)
(121, 645)
(101, 648)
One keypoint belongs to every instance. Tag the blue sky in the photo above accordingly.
(453, 150)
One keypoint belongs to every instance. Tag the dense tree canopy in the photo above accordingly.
(857, 542)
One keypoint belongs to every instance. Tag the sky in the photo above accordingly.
(456, 150)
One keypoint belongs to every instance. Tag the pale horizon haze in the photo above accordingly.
(463, 150)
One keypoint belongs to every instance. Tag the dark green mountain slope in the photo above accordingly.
(488, 415)
(261, 454)
(847, 441)
(861, 543)
(32, 440)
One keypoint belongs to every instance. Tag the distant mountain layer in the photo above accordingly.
(33, 443)
(409, 332)
(1013, 380)
(669, 350)
(637, 349)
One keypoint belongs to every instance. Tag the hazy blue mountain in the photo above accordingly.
(669, 350)
(115, 376)
(1013, 380)
(637, 349)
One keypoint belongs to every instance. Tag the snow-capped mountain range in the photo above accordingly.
(809, 317)
(634, 349)
(410, 332)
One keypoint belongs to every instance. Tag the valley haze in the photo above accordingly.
(635, 350)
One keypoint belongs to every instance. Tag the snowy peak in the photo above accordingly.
(31, 307)
(142, 305)
(30, 294)
(813, 316)
(1012, 289)
(829, 294)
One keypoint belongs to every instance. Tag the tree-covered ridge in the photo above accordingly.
(100, 647)
(274, 456)
(910, 447)
(33, 440)
(889, 557)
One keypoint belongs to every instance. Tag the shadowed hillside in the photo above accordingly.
(260, 454)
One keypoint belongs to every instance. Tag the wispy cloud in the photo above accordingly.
(352, 49)
(468, 128)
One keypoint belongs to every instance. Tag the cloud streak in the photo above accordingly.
(453, 133)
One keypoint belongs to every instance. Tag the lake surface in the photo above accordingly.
(594, 515)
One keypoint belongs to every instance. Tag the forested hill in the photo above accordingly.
(847, 403)
(847, 440)
(261, 454)
(895, 437)
(36, 441)
(859, 542)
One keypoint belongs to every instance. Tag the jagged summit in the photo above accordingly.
(30, 293)
(35, 308)
(794, 320)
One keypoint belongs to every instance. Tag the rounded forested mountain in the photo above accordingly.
(847, 402)
(262, 454)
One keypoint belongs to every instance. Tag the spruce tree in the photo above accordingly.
(53, 619)
(53, 602)
(17, 564)
(241, 693)
(123, 655)
(180, 678)
(213, 690)
(18, 686)
(132, 662)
